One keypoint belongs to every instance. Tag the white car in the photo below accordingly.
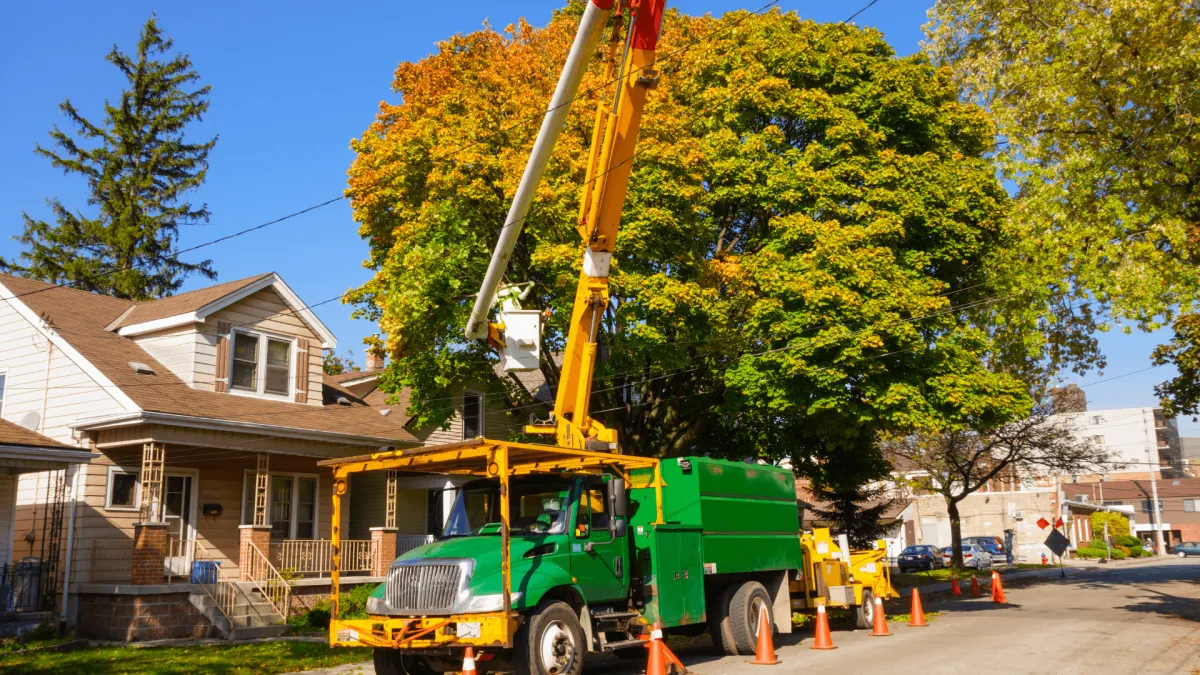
(973, 556)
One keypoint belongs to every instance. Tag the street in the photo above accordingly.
(1134, 618)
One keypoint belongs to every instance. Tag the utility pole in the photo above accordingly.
(1107, 545)
(1156, 515)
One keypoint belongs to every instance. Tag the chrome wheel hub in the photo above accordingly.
(557, 649)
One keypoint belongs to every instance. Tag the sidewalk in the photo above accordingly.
(1069, 569)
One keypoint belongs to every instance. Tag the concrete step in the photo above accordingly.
(253, 632)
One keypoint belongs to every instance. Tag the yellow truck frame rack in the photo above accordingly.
(478, 457)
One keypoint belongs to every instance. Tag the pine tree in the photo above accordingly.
(139, 167)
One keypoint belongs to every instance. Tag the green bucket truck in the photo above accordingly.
(587, 554)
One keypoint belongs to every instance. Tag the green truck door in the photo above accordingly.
(603, 572)
(678, 575)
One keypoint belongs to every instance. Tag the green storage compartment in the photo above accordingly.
(672, 568)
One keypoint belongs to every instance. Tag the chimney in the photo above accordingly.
(374, 354)
(1068, 399)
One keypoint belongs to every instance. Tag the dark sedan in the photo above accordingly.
(920, 557)
(1185, 548)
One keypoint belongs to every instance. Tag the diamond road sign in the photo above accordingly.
(1057, 542)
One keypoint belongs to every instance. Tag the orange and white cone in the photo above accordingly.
(881, 627)
(918, 614)
(954, 589)
(764, 653)
(997, 589)
(822, 640)
(975, 588)
(656, 663)
(468, 662)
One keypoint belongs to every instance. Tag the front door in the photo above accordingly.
(178, 512)
(601, 572)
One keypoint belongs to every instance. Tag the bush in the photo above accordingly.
(1126, 540)
(1123, 549)
(1118, 554)
(1090, 552)
(354, 604)
(1118, 524)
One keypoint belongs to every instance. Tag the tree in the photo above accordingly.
(958, 462)
(1095, 104)
(802, 248)
(336, 365)
(139, 166)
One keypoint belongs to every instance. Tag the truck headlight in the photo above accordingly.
(487, 603)
(376, 606)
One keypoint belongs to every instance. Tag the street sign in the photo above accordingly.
(1043, 523)
(1057, 542)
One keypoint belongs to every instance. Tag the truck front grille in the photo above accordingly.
(423, 588)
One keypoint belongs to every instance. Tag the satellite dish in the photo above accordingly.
(40, 342)
(30, 420)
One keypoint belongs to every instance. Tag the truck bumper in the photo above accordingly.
(492, 629)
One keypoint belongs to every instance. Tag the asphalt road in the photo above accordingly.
(1141, 618)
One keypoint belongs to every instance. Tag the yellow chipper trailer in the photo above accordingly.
(840, 577)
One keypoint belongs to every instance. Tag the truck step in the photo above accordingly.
(623, 644)
(615, 616)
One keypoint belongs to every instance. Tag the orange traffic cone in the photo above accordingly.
(468, 662)
(954, 589)
(975, 587)
(822, 640)
(656, 663)
(997, 589)
(764, 654)
(881, 627)
(918, 614)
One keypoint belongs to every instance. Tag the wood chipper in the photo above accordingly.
(840, 577)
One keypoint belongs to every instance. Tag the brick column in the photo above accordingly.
(149, 553)
(383, 550)
(260, 536)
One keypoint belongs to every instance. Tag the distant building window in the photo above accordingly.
(1110, 502)
(1097, 419)
(1191, 505)
(261, 364)
(1098, 440)
(1148, 508)
(123, 490)
(472, 415)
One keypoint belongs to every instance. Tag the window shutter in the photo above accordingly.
(221, 380)
(302, 370)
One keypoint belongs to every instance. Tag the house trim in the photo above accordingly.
(57, 340)
(44, 454)
(144, 417)
(361, 380)
(272, 280)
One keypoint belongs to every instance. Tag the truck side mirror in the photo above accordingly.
(618, 502)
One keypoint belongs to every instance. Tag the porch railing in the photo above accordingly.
(181, 553)
(217, 583)
(315, 556)
(273, 586)
(407, 542)
(111, 559)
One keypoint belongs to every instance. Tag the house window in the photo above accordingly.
(291, 504)
(1098, 440)
(261, 364)
(1191, 505)
(472, 415)
(1147, 508)
(124, 490)
(1109, 502)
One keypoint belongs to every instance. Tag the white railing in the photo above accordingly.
(407, 542)
(180, 555)
(315, 556)
(111, 559)
(266, 578)
(219, 585)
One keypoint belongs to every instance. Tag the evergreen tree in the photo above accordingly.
(138, 166)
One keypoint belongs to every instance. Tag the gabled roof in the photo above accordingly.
(79, 320)
(194, 306)
(15, 434)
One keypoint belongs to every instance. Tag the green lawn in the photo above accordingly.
(265, 657)
(943, 575)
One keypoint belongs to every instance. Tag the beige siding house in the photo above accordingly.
(207, 413)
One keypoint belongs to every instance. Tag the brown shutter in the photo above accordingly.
(221, 380)
(301, 370)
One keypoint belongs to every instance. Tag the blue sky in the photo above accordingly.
(292, 84)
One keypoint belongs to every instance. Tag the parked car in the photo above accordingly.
(920, 557)
(973, 556)
(1185, 548)
(992, 545)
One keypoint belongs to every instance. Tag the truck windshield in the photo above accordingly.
(536, 509)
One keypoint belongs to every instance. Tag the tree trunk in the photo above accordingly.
(956, 559)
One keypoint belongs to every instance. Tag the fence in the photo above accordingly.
(111, 559)
(315, 556)
(21, 586)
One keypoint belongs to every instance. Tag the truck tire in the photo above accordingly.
(394, 662)
(744, 609)
(550, 643)
(718, 622)
(864, 614)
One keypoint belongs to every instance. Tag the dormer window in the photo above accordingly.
(261, 364)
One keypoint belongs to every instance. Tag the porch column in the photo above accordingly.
(149, 553)
(153, 458)
(258, 536)
(383, 550)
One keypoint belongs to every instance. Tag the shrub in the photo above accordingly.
(354, 604)
(1090, 552)
(1118, 524)
(1119, 554)
(1123, 549)
(1126, 540)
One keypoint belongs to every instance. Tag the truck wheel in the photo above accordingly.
(394, 662)
(550, 643)
(744, 613)
(864, 614)
(719, 626)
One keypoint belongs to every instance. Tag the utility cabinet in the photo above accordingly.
(671, 564)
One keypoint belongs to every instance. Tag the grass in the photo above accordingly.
(910, 579)
(262, 657)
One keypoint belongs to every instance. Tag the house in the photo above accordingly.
(1178, 505)
(206, 414)
(29, 568)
